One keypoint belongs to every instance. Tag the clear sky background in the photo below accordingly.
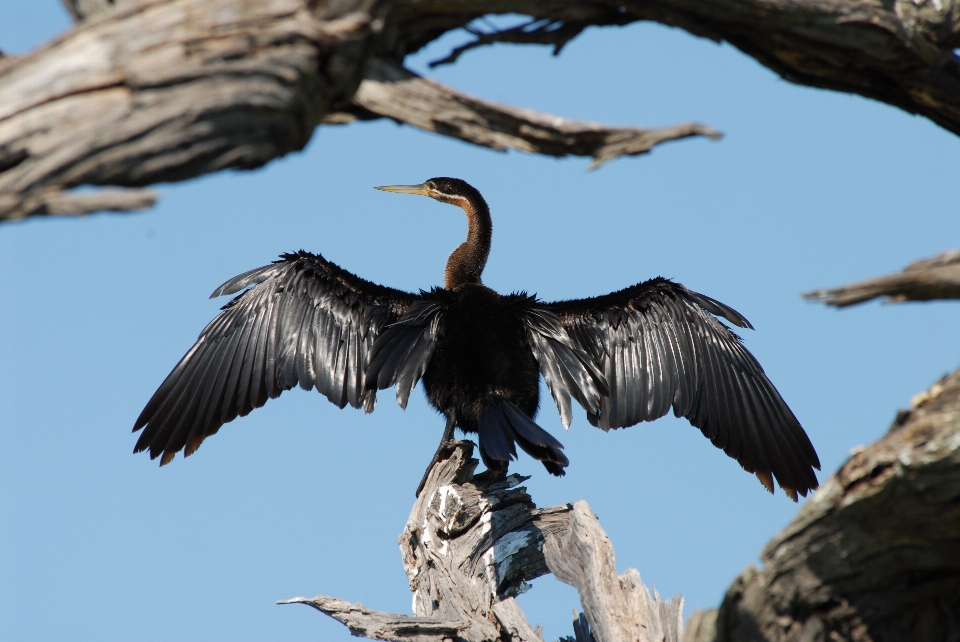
(808, 189)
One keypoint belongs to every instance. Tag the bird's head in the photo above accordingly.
(446, 190)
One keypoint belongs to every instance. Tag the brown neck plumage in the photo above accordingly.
(466, 262)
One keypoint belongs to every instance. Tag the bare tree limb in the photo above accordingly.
(924, 280)
(617, 607)
(390, 90)
(874, 555)
(145, 91)
(377, 625)
(55, 202)
(899, 52)
(540, 32)
(472, 544)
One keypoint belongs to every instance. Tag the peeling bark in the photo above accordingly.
(924, 280)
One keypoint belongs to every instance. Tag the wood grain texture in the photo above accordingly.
(874, 556)
(472, 544)
(900, 52)
(618, 607)
(144, 91)
(930, 279)
(388, 90)
(165, 90)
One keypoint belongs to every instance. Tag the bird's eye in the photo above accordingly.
(430, 185)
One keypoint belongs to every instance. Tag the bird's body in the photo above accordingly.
(483, 353)
(625, 357)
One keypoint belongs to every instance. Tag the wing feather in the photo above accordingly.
(659, 345)
(400, 355)
(303, 321)
(569, 369)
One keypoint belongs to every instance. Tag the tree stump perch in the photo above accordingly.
(472, 544)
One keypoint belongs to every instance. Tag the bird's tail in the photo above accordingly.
(502, 425)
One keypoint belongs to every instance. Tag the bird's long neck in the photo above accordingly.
(466, 262)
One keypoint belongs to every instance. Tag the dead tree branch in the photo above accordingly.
(377, 625)
(924, 280)
(391, 91)
(472, 544)
(145, 91)
(164, 90)
(875, 555)
(899, 52)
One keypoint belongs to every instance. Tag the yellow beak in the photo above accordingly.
(405, 189)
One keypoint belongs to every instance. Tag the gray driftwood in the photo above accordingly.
(924, 280)
(471, 545)
(146, 91)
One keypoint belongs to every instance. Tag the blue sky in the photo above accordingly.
(808, 189)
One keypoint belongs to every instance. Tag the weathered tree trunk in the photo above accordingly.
(145, 91)
(874, 556)
(472, 544)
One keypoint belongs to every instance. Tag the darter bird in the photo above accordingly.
(626, 357)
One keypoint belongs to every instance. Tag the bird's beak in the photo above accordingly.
(405, 189)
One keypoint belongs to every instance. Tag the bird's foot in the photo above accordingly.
(443, 451)
(490, 475)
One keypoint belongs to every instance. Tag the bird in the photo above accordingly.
(625, 357)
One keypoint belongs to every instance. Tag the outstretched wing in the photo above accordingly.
(305, 321)
(401, 354)
(568, 368)
(658, 345)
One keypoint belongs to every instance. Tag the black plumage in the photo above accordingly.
(625, 357)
